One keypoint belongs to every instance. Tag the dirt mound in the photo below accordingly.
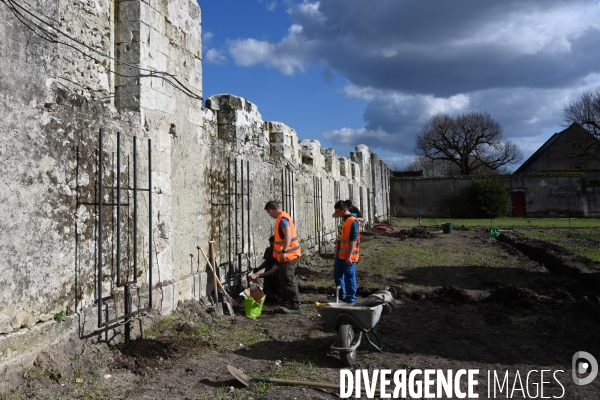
(418, 232)
(511, 294)
(138, 356)
(460, 228)
(452, 294)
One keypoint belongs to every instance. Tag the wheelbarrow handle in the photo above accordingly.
(303, 383)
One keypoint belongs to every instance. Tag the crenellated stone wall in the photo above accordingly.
(214, 164)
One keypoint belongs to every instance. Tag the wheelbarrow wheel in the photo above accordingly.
(345, 338)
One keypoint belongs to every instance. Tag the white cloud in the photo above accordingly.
(287, 56)
(270, 5)
(538, 30)
(215, 56)
(349, 136)
(519, 60)
(397, 163)
(207, 37)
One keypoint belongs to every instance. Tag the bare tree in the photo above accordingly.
(473, 142)
(585, 111)
(432, 168)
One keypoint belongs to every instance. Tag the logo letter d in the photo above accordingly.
(592, 362)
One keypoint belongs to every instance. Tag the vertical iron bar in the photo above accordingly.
(127, 306)
(150, 223)
(315, 208)
(242, 203)
(235, 196)
(369, 203)
(118, 183)
(135, 209)
(248, 201)
(288, 193)
(320, 183)
(229, 206)
(282, 190)
(76, 235)
(293, 203)
(100, 200)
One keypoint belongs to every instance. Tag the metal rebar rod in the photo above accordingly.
(118, 208)
(293, 195)
(134, 209)
(369, 203)
(229, 207)
(320, 183)
(235, 210)
(248, 201)
(150, 223)
(288, 191)
(77, 265)
(127, 306)
(99, 272)
(314, 210)
(282, 191)
(242, 203)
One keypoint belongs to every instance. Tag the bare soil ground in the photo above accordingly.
(466, 301)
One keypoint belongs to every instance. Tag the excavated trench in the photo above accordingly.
(557, 260)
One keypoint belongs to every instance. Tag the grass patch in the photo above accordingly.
(584, 242)
(385, 259)
(506, 222)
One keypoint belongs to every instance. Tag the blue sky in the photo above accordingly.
(350, 72)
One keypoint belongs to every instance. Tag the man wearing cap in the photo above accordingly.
(286, 250)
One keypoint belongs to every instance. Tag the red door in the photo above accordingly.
(518, 204)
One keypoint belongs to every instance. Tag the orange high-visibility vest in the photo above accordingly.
(344, 243)
(293, 251)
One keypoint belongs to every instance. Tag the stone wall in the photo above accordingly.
(552, 194)
(213, 164)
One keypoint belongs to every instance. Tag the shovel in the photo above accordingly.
(217, 284)
(247, 381)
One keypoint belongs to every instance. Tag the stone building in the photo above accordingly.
(562, 178)
(572, 148)
(114, 170)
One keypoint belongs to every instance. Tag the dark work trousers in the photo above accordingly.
(289, 286)
(272, 287)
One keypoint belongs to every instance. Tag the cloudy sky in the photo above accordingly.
(349, 72)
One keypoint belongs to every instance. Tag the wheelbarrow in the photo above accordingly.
(345, 318)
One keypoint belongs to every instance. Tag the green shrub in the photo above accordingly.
(490, 197)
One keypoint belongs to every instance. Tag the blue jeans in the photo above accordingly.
(345, 276)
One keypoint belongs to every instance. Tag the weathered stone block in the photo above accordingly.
(193, 45)
(159, 42)
(168, 303)
(344, 166)
(332, 162)
(129, 53)
(239, 121)
(311, 153)
(284, 141)
(128, 97)
(195, 77)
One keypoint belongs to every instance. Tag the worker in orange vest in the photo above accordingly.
(286, 250)
(346, 253)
